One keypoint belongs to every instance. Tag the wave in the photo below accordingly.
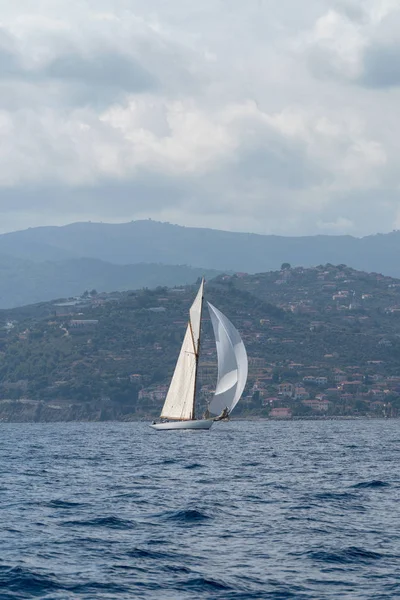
(352, 554)
(335, 496)
(157, 542)
(190, 515)
(149, 554)
(96, 587)
(64, 504)
(176, 569)
(202, 584)
(110, 522)
(25, 581)
(375, 483)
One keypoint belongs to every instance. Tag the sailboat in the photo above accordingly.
(178, 411)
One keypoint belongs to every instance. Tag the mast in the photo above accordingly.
(197, 351)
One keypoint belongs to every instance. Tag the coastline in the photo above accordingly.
(146, 419)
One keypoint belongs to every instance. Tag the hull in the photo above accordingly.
(181, 425)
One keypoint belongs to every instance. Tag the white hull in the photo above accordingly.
(199, 424)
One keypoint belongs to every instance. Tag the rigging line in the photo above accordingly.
(193, 342)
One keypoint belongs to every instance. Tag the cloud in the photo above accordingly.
(82, 75)
(357, 43)
(9, 60)
(334, 47)
(381, 60)
(105, 70)
(274, 118)
(381, 66)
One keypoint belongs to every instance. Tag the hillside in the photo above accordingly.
(24, 281)
(320, 341)
(153, 242)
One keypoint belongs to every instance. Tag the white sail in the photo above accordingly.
(232, 363)
(195, 316)
(179, 403)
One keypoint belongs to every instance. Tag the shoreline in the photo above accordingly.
(240, 419)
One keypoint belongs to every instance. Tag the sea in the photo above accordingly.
(248, 510)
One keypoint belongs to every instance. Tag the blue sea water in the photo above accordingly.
(249, 510)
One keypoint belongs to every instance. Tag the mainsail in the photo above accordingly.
(232, 363)
(179, 403)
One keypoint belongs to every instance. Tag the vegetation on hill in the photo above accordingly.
(321, 341)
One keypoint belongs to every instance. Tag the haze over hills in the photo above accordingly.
(150, 241)
(26, 282)
(42, 263)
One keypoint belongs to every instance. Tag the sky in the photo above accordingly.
(268, 116)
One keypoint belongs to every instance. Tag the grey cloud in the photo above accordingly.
(226, 199)
(279, 164)
(106, 69)
(257, 175)
(108, 199)
(10, 65)
(365, 209)
(352, 9)
(321, 62)
(205, 58)
(381, 66)
(378, 61)
(99, 78)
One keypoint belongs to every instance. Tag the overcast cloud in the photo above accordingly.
(266, 116)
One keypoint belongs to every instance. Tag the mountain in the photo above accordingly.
(25, 281)
(154, 242)
(46, 262)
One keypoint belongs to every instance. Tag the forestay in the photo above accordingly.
(232, 363)
(179, 403)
